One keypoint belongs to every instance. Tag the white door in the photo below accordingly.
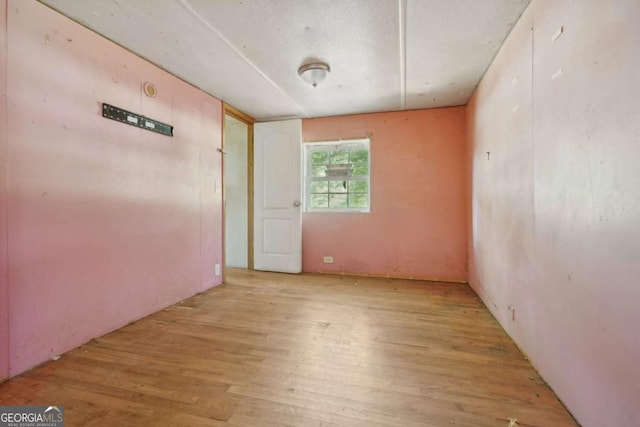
(277, 196)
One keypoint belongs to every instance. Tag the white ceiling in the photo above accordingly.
(385, 55)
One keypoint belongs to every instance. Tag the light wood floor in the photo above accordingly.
(270, 349)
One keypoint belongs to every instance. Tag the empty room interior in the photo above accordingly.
(317, 213)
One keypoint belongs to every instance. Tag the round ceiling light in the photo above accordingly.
(314, 73)
(150, 89)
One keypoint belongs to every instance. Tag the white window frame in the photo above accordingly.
(311, 147)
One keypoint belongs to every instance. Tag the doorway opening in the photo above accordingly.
(238, 189)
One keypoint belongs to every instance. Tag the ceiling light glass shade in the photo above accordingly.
(314, 73)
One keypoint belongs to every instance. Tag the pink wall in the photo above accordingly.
(106, 222)
(416, 226)
(555, 218)
(4, 308)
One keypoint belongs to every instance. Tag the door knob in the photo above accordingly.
(296, 203)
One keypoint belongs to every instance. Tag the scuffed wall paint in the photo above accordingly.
(416, 226)
(107, 222)
(555, 221)
(502, 225)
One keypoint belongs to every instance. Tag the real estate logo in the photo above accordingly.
(31, 416)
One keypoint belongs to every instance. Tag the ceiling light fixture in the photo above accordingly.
(150, 89)
(314, 72)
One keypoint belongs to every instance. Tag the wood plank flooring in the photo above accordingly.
(269, 349)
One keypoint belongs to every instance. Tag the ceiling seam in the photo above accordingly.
(402, 24)
(195, 14)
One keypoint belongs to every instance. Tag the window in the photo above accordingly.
(337, 176)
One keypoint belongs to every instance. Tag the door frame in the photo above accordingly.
(228, 110)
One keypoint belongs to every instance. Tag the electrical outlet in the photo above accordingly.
(328, 259)
(512, 312)
(217, 270)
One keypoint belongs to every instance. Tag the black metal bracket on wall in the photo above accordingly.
(133, 119)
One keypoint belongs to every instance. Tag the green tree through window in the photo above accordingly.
(337, 176)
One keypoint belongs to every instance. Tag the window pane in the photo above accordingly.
(338, 176)
(319, 157)
(319, 171)
(359, 156)
(319, 200)
(358, 200)
(341, 156)
(319, 187)
(337, 200)
(358, 187)
(360, 169)
(337, 186)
